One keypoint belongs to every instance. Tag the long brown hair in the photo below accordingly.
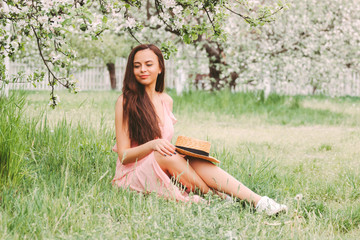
(139, 112)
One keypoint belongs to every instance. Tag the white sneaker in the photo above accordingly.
(269, 206)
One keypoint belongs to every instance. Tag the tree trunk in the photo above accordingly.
(314, 89)
(111, 69)
(214, 56)
(233, 76)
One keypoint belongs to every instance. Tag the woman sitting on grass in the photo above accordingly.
(144, 128)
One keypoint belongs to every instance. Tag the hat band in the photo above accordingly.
(196, 151)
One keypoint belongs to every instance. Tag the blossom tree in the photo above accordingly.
(47, 23)
(313, 44)
(203, 23)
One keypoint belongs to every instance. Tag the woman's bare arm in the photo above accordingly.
(123, 142)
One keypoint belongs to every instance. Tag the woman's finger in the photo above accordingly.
(170, 147)
(164, 147)
(166, 151)
(157, 148)
(163, 151)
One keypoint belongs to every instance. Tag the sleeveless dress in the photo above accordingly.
(145, 175)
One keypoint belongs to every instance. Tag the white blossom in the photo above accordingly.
(177, 10)
(178, 23)
(154, 21)
(43, 19)
(130, 22)
(14, 10)
(47, 4)
(166, 16)
(169, 3)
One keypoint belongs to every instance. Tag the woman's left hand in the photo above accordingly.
(163, 146)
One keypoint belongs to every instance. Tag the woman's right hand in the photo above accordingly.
(163, 146)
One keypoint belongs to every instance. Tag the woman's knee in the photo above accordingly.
(168, 161)
(197, 162)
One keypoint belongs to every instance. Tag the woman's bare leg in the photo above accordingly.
(178, 167)
(217, 178)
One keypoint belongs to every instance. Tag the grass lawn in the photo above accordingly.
(57, 165)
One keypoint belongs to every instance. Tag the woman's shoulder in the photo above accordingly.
(167, 98)
(120, 99)
(119, 102)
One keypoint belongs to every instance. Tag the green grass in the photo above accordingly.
(274, 110)
(57, 166)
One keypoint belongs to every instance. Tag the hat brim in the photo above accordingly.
(191, 154)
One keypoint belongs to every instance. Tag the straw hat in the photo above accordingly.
(194, 148)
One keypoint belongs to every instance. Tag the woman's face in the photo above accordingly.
(146, 67)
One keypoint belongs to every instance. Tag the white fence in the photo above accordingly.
(97, 78)
(346, 85)
(94, 78)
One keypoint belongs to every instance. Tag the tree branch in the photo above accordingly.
(41, 53)
(272, 14)
(211, 21)
(170, 28)
(46, 62)
(247, 18)
(239, 14)
(133, 36)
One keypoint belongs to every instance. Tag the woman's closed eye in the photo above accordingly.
(148, 65)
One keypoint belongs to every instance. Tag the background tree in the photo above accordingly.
(107, 48)
(202, 23)
(312, 44)
(47, 23)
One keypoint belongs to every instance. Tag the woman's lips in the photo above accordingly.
(144, 76)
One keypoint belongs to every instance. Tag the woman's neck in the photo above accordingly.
(151, 92)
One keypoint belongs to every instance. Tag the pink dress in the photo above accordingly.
(145, 175)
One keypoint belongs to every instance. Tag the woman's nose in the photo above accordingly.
(143, 68)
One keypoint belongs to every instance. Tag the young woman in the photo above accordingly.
(144, 128)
